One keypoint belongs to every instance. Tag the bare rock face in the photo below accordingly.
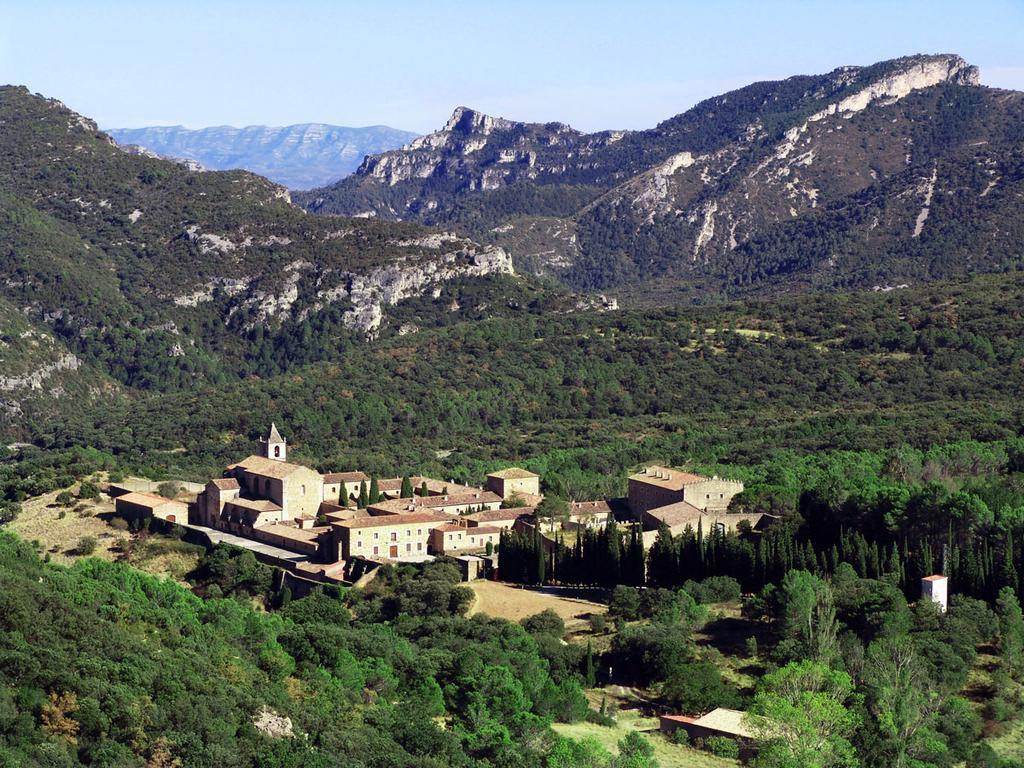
(272, 724)
(386, 286)
(686, 196)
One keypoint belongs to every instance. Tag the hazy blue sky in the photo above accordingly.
(407, 64)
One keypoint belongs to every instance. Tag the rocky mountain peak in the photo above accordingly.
(469, 121)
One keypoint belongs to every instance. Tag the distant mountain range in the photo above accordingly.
(296, 156)
(903, 171)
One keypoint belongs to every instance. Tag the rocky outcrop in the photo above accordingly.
(370, 294)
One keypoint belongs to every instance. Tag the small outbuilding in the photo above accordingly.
(140, 506)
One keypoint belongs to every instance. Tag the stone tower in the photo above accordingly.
(275, 446)
(936, 589)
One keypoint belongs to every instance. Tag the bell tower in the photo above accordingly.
(275, 446)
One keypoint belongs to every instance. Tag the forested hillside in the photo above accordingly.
(159, 277)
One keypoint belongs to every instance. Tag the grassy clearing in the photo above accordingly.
(505, 601)
(666, 753)
(59, 529)
(1009, 745)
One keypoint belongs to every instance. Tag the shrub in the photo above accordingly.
(723, 746)
(88, 490)
(547, 622)
(598, 624)
(680, 737)
(600, 718)
(168, 489)
(65, 499)
(86, 546)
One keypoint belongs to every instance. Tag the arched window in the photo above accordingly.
(277, 451)
(302, 491)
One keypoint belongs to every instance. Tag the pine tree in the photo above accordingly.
(406, 492)
(364, 499)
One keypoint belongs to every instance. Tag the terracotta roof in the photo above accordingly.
(264, 467)
(666, 477)
(725, 720)
(383, 520)
(936, 577)
(513, 473)
(345, 477)
(588, 507)
(225, 483)
(257, 505)
(475, 530)
(490, 515)
(679, 513)
(291, 532)
(145, 499)
(399, 506)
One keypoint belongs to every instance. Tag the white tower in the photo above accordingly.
(936, 589)
(275, 446)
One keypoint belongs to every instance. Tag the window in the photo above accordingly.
(419, 531)
(376, 535)
(709, 495)
(277, 451)
(359, 545)
(408, 533)
(408, 547)
(375, 550)
(419, 546)
(302, 491)
(721, 495)
(394, 535)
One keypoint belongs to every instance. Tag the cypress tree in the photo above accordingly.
(364, 498)
(423, 489)
(589, 676)
(343, 498)
(406, 492)
(374, 491)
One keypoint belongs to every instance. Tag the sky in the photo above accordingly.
(595, 65)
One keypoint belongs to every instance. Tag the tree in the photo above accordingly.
(808, 617)
(343, 498)
(801, 718)
(589, 673)
(364, 499)
(902, 699)
(406, 492)
(662, 560)
(86, 545)
(374, 495)
(697, 686)
(1011, 631)
(424, 491)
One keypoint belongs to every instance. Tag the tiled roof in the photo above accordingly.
(676, 514)
(589, 507)
(384, 520)
(225, 483)
(345, 477)
(257, 505)
(398, 506)
(513, 473)
(490, 515)
(145, 499)
(666, 477)
(264, 467)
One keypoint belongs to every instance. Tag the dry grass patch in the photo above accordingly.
(667, 754)
(505, 601)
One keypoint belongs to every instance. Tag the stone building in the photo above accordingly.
(455, 539)
(936, 589)
(506, 482)
(474, 501)
(141, 506)
(387, 536)
(661, 486)
(336, 483)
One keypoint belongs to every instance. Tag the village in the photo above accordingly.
(337, 526)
